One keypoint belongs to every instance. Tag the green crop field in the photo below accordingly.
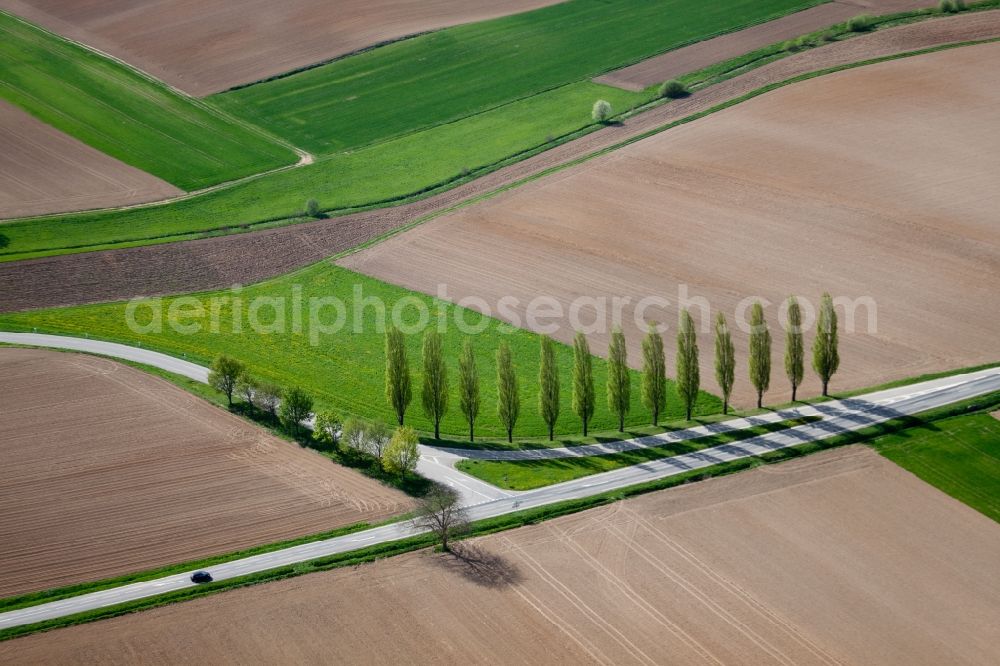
(463, 70)
(344, 370)
(126, 115)
(959, 455)
(530, 474)
(396, 168)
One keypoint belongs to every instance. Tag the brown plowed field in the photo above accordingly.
(840, 558)
(250, 257)
(877, 182)
(108, 470)
(45, 171)
(702, 54)
(206, 46)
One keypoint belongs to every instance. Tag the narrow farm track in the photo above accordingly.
(250, 257)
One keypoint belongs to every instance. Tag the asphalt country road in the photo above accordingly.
(838, 417)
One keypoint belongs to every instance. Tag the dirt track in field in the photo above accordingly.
(702, 54)
(840, 558)
(45, 171)
(874, 183)
(211, 45)
(108, 470)
(250, 257)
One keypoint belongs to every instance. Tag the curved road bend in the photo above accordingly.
(215, 263)
(839, 417)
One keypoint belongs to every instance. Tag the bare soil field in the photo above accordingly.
(108, 470)
(874, 183)
(702, 54)
(840, 558)
(44, 171)
(213, 45)
(215, 263)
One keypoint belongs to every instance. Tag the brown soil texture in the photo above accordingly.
(108, 471)
(45, 171)
(206, 46)
(220, 262)
(840, 558)
(876, 182)
(702, 54)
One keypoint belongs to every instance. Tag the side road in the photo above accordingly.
(842, 417)
(243, 258)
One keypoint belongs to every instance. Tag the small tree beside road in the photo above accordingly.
(268, 397)
(397, 373)
(826, 356)
(468, 387)
(246, 387)
(295, 408)
(435, 388)
(328, 428)
(760, 352)
(548, 385)
(619, 380)
(584, 397)
(508, 393)
(725, 360)
(688, 374)
(654, 374)
(440, 511)
(223, 375)
(794, 346)
(402, 454)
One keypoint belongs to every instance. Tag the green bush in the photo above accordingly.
(673, 89)
(312, 208)
(601, 111)
(861, 23)
(791, 46)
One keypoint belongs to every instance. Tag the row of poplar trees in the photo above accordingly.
(435, 389)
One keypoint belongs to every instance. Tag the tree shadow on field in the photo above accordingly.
(480, 566)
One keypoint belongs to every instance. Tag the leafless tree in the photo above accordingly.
(441, 512)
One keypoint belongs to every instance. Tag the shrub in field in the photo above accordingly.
(354, 436)
(295, 409)
(861, 23)
(828, 36)
(312, 208)
(673, 89)
(601, 111)
(401, 455)
(803, 42)
(951, 6)
(791, 46)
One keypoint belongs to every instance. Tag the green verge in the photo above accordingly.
(406, 169)
(345, 370)
(960, 455)
(923, 422)
(531, 474)
(456, 72)
(126, 114)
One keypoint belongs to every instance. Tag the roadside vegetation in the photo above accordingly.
(345, 372)
(120, 112)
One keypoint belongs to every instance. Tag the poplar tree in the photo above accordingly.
(619, 381)
(654, 373)
(548, 385)
(688, 374)
(397, 373)
(584, 396)
(725, 360)
(794, 346)
(468, 387)
(435, 388)
(508, 395)
(826, 356)
(760, 352)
